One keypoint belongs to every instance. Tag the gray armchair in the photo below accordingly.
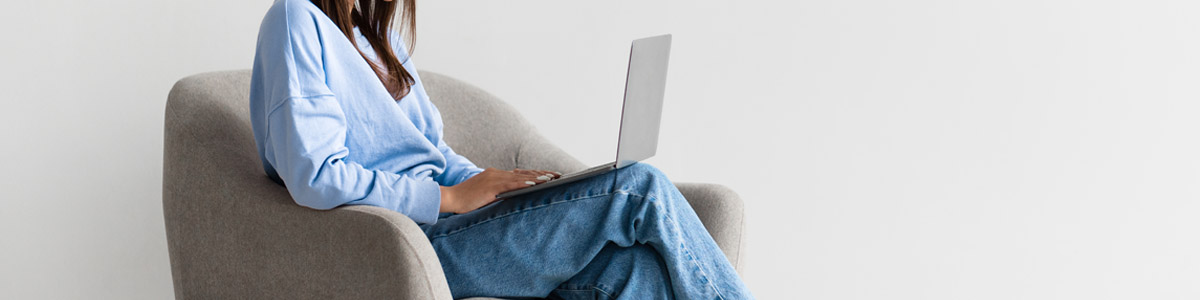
(235, 234)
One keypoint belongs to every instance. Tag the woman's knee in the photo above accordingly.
(640, 178)
(645, 180)
(642, 173)
(643, 168)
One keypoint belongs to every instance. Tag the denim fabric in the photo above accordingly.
(627, 234)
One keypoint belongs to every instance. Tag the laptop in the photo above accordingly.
(645, 84)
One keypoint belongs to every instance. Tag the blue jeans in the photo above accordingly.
(627, 234)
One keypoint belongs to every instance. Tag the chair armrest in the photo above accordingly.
(721, 211)
(261, 245)
(405, 251)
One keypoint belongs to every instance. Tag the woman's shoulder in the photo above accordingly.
(293, 16)
(287, 60)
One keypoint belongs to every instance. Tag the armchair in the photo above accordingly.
(233, 233)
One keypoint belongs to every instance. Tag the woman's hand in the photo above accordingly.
(481, 189)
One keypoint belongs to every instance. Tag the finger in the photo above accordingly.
(513, 185)
(539, 178)
(550, 174)
(521, 177)
(527, 174)
(529, 179)
(526, 178)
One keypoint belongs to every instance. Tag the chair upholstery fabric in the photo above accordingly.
(234, 233)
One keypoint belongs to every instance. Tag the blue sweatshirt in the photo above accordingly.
(328, 129)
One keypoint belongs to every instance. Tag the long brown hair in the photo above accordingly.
(374, 20)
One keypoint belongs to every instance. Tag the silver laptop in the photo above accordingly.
(645, 84)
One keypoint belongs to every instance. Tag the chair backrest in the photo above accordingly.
(478, 125)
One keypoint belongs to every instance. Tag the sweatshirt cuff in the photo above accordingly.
(426, 202)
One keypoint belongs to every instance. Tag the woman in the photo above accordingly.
(341, 118)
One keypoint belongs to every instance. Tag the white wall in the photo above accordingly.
(84, 85)
(886, 150)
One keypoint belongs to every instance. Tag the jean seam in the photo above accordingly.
(505, 215)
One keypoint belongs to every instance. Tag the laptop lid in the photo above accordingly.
(645, 86)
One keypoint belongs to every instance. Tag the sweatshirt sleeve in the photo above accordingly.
(308, 138)
(306, 130)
